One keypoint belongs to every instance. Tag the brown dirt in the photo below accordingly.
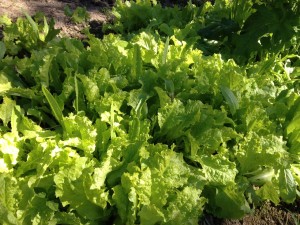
(267, 214)
(55, 9)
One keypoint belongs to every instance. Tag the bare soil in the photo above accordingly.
(267, 214)
(55, 9)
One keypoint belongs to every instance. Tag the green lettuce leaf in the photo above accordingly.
(261, 151)
(76, 188)
(221, 197)
(80, 133)
(6, 109)
(161, 186)
(7, 200)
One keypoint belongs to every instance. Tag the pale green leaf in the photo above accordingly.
(6, 109)
(230, 99)
(137, 63)
(269, 191)
(151, 215)
(33, 24)
(5, 20)
(54, 106)
(223, 197)
(287, 186)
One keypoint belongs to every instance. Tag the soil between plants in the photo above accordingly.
(267, 214)
(55, 9)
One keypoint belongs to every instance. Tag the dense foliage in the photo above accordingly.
(180, 110)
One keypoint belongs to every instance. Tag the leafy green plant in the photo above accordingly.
(16, 38)
(144, 127)
(79, 15)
